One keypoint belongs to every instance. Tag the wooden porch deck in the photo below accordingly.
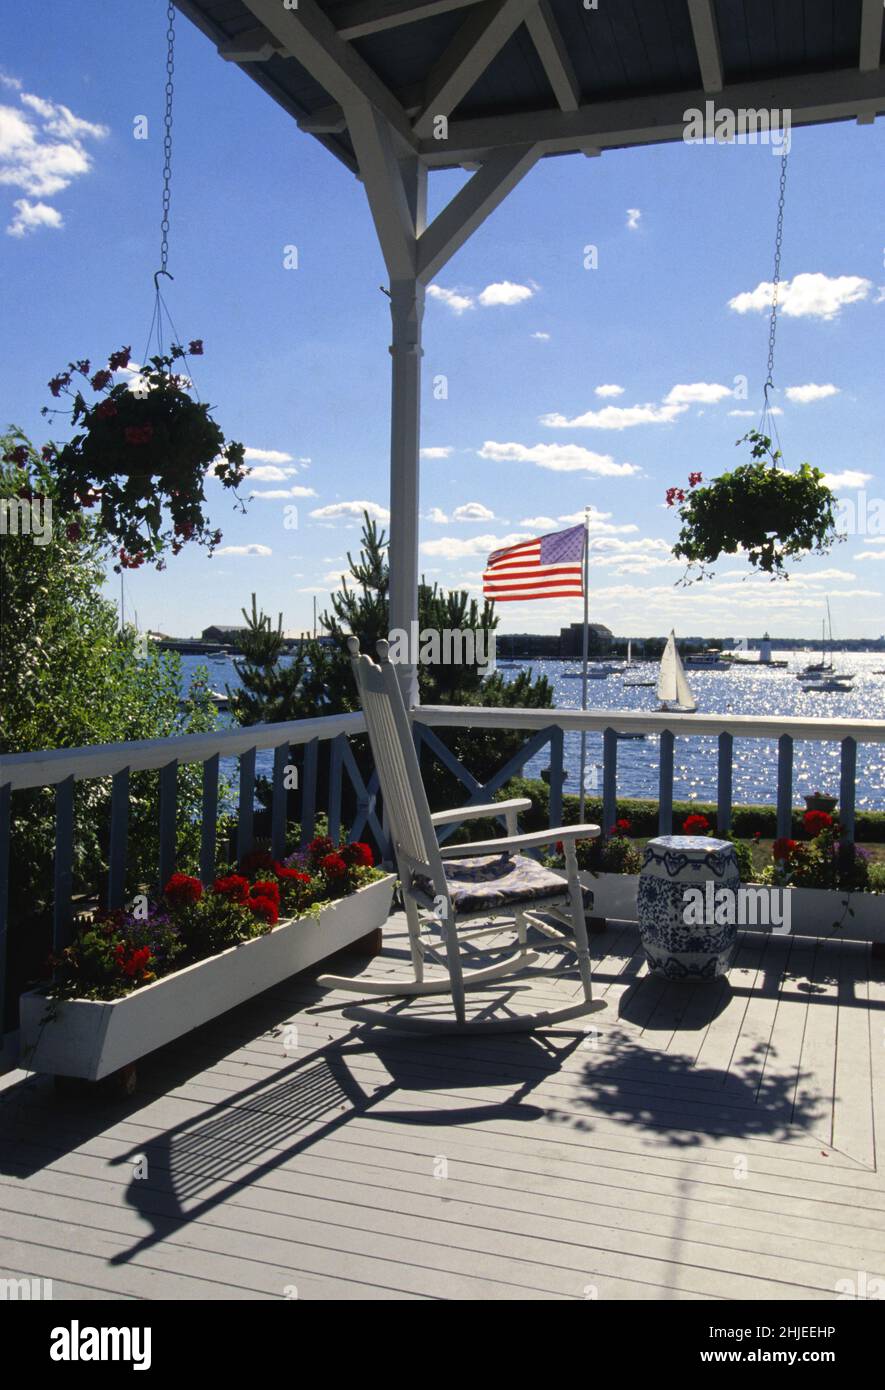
(712, 1143)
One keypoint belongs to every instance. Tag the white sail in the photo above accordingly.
(673, 687)
(629, 651)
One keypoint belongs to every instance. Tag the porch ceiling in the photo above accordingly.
(554, 72)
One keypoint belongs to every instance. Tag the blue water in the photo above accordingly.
(747, 690)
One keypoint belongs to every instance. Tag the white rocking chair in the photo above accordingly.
(450, 889)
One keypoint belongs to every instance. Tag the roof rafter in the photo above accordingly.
(360, 18)
(870, 35)
(706, 41)
(477, 42)
(310, 37)
(826, 96)
(553, 53)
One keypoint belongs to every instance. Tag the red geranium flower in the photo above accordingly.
(195, 347)
(623, 827)
(321, 845)
(266, 908)
(182, 889)
(694, 479)
(118, 360)
(101, 379)
(333, 866)
(359, 854)
(106, 410)
(816, 821)
(783, 849)
(289, 875)
(695, 825)
(74, 531)
(266, 888)
(233, 886)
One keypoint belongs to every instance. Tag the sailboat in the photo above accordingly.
(674, 691)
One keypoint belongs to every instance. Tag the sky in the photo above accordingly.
(572, 378)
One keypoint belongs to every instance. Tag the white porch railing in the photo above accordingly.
(61, 768)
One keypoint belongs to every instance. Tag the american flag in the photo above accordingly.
(546, 567)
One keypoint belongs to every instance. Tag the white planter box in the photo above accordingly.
(91, 1038)
(812, 910)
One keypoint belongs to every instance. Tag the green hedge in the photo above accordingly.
(643, 815)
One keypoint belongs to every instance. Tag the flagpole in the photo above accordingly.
(585, 653)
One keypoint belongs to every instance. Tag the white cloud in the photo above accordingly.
(437, 516)
(810, 295)
(609, 390)
(338, 511)
(505, 292)
(870, 555)
(437, 451)
(542, 337)
(267, 456)
(598, 523)
(803, 394)
(616, 417)
(30, 216)
(633, 216)
(849, 478)
(559, 458)
(269, 473)
(697, 393)
(42, 151)
(472, 511)
(744, 414)
(244, 550)
(279, 493)
(455, 301)
(453, 548)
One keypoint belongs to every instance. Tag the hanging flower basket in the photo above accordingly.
(758, 508)
(143, 445)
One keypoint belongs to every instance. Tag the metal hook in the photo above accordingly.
(157, 273)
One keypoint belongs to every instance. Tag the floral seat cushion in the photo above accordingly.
(490, 883)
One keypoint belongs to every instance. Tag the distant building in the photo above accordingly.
(571, 640)
(222, 634)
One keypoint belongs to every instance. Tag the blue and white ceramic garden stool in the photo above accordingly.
(688, 935)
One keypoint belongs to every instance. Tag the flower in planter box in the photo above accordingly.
(266, 909)
(358, 854)
(181, 889)
(334, 867)
(233, 886)
(254, 860)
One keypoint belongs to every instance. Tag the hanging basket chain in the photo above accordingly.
(167, 139)
(775, 293)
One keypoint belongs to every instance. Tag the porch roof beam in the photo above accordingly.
(552, 51)
(361, 18)
(309, 36)
(828, 96)
(460, 218)
(706, 41)
(870, 35)
(479, 39)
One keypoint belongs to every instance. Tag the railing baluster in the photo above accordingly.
(278, 801)
(63, 871)
(609, 779)
(784, 785)
(336, 765)
(119, 837)
(5, 810)
(168, 814)
(309, 792)
(724, 791)
(246, 804)
(847, 789)
(665, 783)
(557, 775)
(209, 828)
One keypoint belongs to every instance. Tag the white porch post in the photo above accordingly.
(407, 312)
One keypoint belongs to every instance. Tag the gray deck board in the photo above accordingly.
(684, 1143)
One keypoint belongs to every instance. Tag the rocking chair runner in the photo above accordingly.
(452, 888)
